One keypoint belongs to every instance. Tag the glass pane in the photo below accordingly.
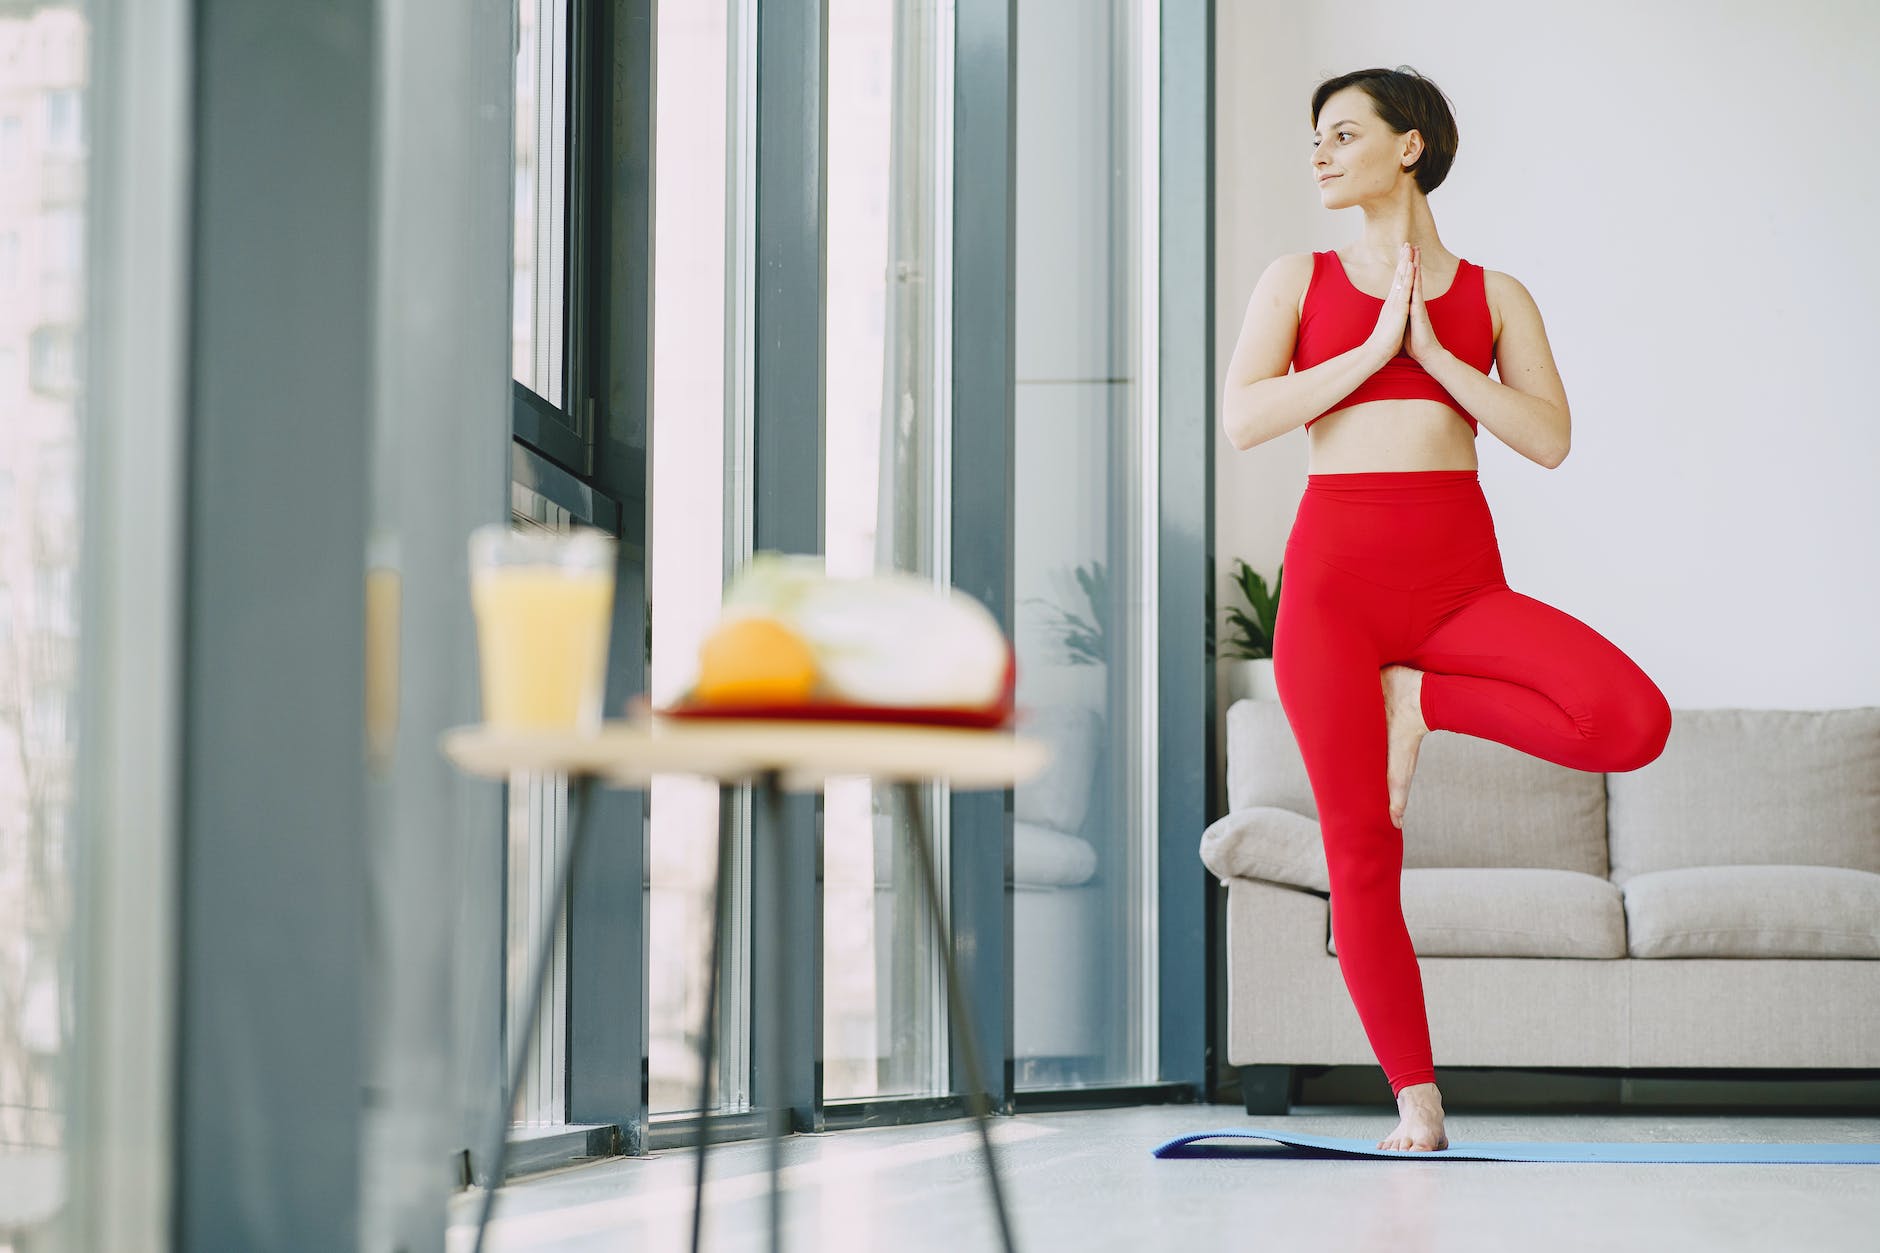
(889, 93)
(537, 823)
(43, 58)
(541, 182)
(690, 398)
(1084, 906)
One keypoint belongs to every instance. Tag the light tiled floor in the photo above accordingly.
(1086, 1180)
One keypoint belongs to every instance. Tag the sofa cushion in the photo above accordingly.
(1267, 842)
(1473, 802)
(1263, 762)
(1745, 787)
(1754, 911)
(1058, 795)
(1509, 913)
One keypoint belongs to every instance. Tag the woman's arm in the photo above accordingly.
(1260, 400)
(1527, 410)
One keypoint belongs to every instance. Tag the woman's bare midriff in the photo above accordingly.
(1393, 434)
(1390, 435)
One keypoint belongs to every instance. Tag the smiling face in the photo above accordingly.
(1366, 156)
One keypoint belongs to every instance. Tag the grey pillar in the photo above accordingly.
(439, 291)
(273, 855)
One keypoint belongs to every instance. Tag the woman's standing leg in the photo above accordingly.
(1328, 646)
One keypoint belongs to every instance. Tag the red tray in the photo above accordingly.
(988, 716)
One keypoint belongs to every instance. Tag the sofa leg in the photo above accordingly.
(1268, 1089)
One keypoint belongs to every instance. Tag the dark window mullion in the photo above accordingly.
(1188, 903)
(611, 58)
(546, 428)
(578, 115)
(786, 472)
(984, 224)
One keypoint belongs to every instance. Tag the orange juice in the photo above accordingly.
(542, 644)
(382, 610)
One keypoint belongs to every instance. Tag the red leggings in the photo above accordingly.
(1403, 567)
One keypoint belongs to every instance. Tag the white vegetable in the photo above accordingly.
(891, 638)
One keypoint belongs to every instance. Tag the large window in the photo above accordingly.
(1084, 887)
(701, 189)
(43, 76)
(885, 287)
(554, 446)
(886, 284)
(536, 310)
(1084, 904)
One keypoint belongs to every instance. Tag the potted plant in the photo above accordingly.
(1247, 663)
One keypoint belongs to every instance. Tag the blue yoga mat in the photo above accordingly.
(1304, 1145)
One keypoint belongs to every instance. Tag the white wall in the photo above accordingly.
(1687, 189)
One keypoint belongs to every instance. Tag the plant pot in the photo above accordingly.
(1249, 678)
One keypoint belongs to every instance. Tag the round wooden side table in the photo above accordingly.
(779, 755)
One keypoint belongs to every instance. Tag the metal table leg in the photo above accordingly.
(772, 1059)
(538, 976)
(773, 1000)
(721, 900)
(976, 1096)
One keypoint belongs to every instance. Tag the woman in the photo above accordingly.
(1397, 616)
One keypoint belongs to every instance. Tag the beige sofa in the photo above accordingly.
(1718, 908)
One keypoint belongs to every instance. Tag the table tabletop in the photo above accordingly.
(628, 752)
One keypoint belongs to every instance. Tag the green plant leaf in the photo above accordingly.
(1254, 632)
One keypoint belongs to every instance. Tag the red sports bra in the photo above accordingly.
(1338, 317)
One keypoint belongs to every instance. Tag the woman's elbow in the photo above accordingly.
(1238, 420)
(1231, 425)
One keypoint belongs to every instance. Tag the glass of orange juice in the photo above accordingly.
(544, 605)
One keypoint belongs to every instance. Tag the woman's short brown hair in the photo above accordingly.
(1404, 101)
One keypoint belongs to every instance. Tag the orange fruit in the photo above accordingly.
(755, 659)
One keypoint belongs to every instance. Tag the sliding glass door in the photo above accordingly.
(1084, 908)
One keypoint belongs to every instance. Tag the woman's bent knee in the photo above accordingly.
(1647, 728)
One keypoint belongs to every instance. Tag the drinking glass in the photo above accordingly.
(544, 605)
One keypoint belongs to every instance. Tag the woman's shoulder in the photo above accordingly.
(1294, 263)
(1289, 266)
(1501, 291)
(1298, 268)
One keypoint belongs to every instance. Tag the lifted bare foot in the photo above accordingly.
(1420, 1120)
(1404, 729)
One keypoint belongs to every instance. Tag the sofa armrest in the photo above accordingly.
(1270, 843)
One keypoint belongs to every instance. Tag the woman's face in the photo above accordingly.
(1354, 155)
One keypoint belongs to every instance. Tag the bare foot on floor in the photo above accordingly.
(1404, 729)
(1420, 1120)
